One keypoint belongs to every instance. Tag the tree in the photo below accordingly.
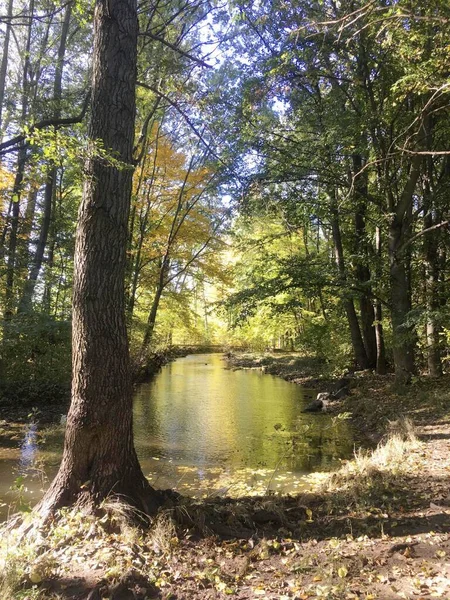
(99, 457)
(337, 107)
(50, 184)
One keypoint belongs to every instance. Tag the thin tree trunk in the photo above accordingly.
(144, 217)
(4, 63)
(355, 332)
(381, 350)
(431, 265)
(10, 299)
(362, 259)
(25, 303)
(27, 295)
(404, 337)
(99, 458)
(151, 321)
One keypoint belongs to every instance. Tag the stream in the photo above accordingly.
(201, 429)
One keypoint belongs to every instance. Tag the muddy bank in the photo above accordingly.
(289, 366)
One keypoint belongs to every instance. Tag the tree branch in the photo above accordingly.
(8, 146)
(421, 233)
(176, 49)
(191, 125)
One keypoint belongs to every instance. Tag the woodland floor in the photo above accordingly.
(377, 529)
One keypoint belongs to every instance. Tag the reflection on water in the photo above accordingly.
(202, 428)
(200, 416)
(28, 449)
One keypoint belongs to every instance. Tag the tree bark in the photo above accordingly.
(355, 331)
(10, 296)
(151, 321)
(362, 262)
(381, 350)
(99, 458)
(431, 265)
(404, 336)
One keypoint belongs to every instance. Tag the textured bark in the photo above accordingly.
(404, 339)
(355, 332)
(403, 344)
(99, 458)
(362, 261)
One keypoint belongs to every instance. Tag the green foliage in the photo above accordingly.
(36, 356)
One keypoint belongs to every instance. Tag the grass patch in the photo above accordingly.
(376, 478)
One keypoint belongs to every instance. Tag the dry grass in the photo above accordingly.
(163, 534)
(372, 478)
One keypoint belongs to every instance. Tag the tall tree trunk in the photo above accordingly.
(355, 332)
(10, 299)
(431, 264)
(404, 337)
(362, 268)
(10, 296)
(151, 321)
(27, 294)
(99, 458)
(25, 303)
(433, 328)
(4, 63)
(381, 350)
(431, 244)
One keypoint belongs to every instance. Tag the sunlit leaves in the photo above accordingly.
(177, 220)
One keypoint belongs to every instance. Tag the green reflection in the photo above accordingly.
(202, 429)
(199, 414)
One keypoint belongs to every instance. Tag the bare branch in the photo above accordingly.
(176, 49)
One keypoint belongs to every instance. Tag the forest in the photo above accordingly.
(268, 181)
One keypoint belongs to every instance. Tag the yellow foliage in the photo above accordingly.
(174, 213)
(6, 179)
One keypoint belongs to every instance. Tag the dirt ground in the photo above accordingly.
(379, 529)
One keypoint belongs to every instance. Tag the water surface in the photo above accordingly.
(203, 429)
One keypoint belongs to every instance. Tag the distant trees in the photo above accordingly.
(330, 120)
(343, 115)
(45, 88)
(176, 219)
